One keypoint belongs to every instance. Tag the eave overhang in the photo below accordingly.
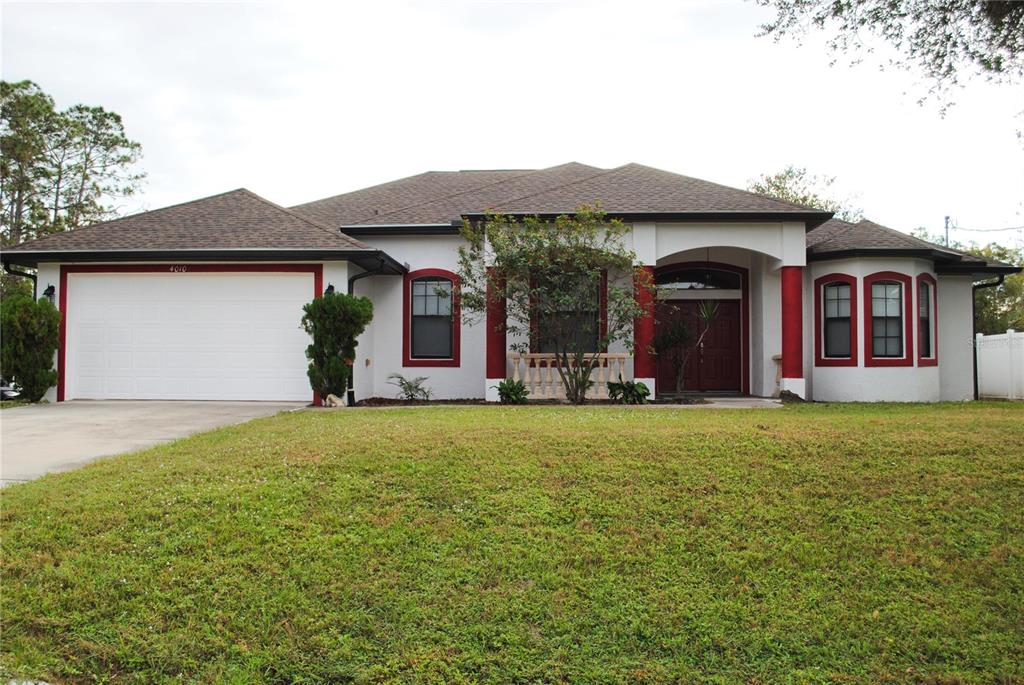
(945, 263)
(365, 259)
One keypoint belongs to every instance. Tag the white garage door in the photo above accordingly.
(210, 336)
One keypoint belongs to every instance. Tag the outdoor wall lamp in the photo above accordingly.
(50, 293)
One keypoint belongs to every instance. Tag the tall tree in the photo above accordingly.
(945, 39)
(796, 184)
(59, 169)
(995, 309)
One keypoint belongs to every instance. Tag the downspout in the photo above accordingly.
(23, 274)
(350, 399)
(974, 322)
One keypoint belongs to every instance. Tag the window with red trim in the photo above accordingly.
(927, 321)
(835, 320)
(888, 325)
(431, 327)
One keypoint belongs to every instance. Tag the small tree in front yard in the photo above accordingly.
(334, 321)
(551, 273)
(29, 337)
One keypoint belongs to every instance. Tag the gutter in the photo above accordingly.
(23, 274)
(974, 322)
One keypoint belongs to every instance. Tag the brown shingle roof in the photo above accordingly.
(238, 219)
(443, 197)
(836, 237)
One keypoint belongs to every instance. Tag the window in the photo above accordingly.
(431, 327)
(699, 279)
(888, 319)
(580, 330)
(927, 330)
(432, 318)
(835, 320)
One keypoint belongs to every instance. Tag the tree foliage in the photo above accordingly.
(59, 169)
(550, 274)
(942, 38)
(796, 184)
(334, 321)
(995, 309)
(29, 337)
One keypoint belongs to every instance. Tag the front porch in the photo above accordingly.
(753, 346)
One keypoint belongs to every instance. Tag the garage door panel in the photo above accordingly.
(187, 336)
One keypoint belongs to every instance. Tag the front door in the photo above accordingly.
(714, 365)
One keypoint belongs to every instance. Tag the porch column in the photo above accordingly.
(496, 346)
(793, 330)
(645, 367)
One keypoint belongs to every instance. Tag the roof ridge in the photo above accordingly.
(602, 172)
(722, 185)
(126, 217)
(461, 192)
(315, 224)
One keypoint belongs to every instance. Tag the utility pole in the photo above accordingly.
(947, 231)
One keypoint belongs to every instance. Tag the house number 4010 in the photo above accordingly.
(179, 268)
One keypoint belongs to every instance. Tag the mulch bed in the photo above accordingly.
(394, 402)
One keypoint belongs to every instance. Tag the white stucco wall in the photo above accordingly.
(956, 340)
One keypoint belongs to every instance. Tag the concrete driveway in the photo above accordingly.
(43, 438)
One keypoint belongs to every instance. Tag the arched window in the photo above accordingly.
(691, 278)
(835, 301)
(888, 328)
(431, 326)
(927, 321)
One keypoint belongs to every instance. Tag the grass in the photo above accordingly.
(10, 404)
(811, 544)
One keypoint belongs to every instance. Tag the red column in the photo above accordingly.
(495, 323)
(644, 363)
(792, 322)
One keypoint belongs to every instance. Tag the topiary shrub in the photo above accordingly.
(29, 337)
(334, 321)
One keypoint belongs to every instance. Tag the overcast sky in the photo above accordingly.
(301, 101)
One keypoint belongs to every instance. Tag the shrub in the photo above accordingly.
(628, 392)
(334, 321)
(512, 391)
(30, 334)
(410, 388)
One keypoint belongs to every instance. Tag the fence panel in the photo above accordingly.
(1001, 365)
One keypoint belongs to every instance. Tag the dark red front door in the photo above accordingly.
(715, 364)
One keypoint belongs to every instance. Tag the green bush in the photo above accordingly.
(334, 321)
(628, 392)
(30, 335)
(512, 392)
(410, 388)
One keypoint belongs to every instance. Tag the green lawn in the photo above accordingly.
(811, 544)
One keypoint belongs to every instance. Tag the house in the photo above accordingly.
(202, 300)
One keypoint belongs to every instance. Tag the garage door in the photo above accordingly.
(212, 336)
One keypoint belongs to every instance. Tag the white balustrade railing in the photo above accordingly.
(539, 373)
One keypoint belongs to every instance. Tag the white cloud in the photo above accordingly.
(299, 101)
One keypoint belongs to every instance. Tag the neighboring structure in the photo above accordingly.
(202, 300)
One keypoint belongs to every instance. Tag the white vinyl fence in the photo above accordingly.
(1001, 365)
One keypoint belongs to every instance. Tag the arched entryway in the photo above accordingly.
(719, 362)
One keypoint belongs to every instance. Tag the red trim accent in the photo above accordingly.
(908, 324)
(496, 334)
(792, 321)
(407, 359)
(934, 318)
(744, 308)
(819, 320)
(316, 269)
(645, 365)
